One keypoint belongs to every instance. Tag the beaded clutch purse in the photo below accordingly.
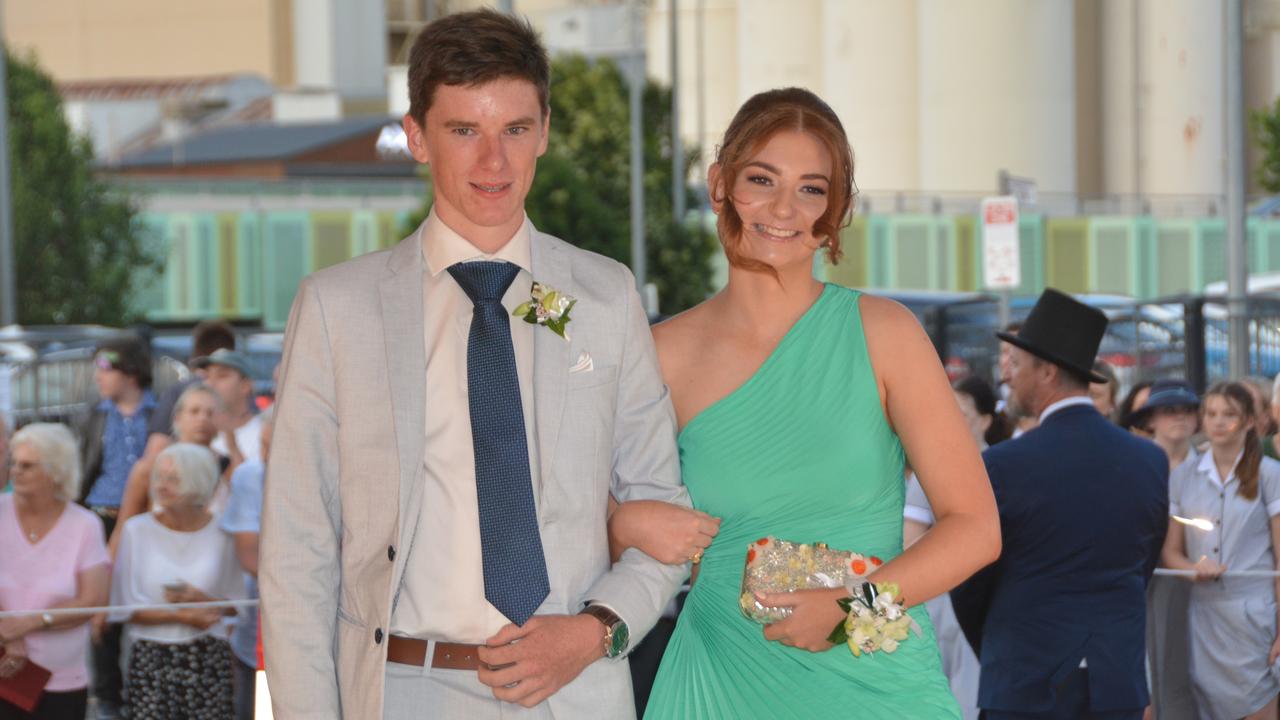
(775, 565)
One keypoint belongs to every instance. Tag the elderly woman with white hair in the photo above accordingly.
(181, 660)
(51, 558)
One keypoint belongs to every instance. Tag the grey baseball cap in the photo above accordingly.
(227, 358)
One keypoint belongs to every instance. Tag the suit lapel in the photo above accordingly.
(550, 353)
(402, 329)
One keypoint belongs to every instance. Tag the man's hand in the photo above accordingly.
(526, 665)
(814, 614)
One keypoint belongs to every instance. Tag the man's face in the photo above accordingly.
(482, 144)
(234, 388)
(1024, 381)
(111, 382)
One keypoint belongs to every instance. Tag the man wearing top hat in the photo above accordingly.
(1058, 621)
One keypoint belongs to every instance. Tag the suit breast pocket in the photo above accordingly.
(598, 377)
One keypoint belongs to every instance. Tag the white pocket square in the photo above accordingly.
(584, 363)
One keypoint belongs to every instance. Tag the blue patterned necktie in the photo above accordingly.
(515, 570)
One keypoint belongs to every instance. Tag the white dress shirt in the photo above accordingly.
(443, 593)
(1065, 403)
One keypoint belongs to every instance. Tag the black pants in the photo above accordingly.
(1071, 702)
(245, 681)
(69, 705)
(108, 680)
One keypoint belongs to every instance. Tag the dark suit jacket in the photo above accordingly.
(1083, 514)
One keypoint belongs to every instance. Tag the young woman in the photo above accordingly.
(1232, 619)
(797, 400)
(1172, 414)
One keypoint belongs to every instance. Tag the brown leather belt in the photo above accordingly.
(450, 656)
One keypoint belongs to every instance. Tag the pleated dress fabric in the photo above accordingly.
(801, 451)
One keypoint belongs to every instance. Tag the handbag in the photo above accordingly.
(774, 565)
(25, 688)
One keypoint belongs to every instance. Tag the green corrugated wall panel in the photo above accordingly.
(943, 254)
(1114, 249)
(364, 232)
(225, 275)
(286, 260)
(968, 253)
(1146, 284)
(852, 269)
(912, 254)
(149, 288)
(389, 224)
(1031, 237)
(179, 282)
(1175, 257)
(202, 264)
(1067, 254)
(249, 273)
(879, 251)
(1269, 234)
(1213, 251)
(331, 238)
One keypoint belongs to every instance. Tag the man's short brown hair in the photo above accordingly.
(473, 48)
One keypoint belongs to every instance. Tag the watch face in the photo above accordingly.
(620, 638)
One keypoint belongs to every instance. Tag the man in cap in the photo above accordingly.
(227, 373)
(1058, 620)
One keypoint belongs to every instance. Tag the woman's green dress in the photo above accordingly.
(801, 451)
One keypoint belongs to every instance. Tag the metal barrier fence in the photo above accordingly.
(1181, 336)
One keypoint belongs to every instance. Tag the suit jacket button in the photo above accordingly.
(391, 553)
(377, 636)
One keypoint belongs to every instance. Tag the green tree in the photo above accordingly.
(1266, 130)
(77, 245)
(582, 190)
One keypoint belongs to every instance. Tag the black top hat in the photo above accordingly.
(1064, 331)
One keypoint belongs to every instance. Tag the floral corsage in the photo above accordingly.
(547, 306)
(875, 618)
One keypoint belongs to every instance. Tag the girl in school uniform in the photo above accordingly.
(1232, 619)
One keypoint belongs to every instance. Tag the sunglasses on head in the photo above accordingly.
(107, 360)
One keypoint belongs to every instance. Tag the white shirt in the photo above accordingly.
(1065, 403)
(248, 440)
(152, 555)
(443, 592)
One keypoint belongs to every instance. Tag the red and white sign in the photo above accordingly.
(1001, 260)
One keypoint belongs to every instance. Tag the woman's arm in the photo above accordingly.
(668, 533)
(1275, 543)
(1173, 555)
(91, 591)
(921, 408)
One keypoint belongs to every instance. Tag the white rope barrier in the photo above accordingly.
(128, 608)
(1168, 572)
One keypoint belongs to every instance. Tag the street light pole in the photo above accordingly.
(677, 145)
(637, 149)
(1237, 257)
(8, 290)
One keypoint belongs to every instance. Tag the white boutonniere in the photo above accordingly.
(547, 306)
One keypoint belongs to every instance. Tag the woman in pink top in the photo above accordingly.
(53, 557)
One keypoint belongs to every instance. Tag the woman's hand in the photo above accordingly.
(1207, 569)
(186, 594)
(1275, 652)
(12, 628)
(97, 624)
(199, 618)
(814, 614)
(14, 658)
(670, 534)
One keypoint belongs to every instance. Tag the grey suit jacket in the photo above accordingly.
(344, 487)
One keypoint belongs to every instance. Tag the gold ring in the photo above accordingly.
(696, 557)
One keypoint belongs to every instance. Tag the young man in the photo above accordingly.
(433, 538)
(227, 372)
(114, 437)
